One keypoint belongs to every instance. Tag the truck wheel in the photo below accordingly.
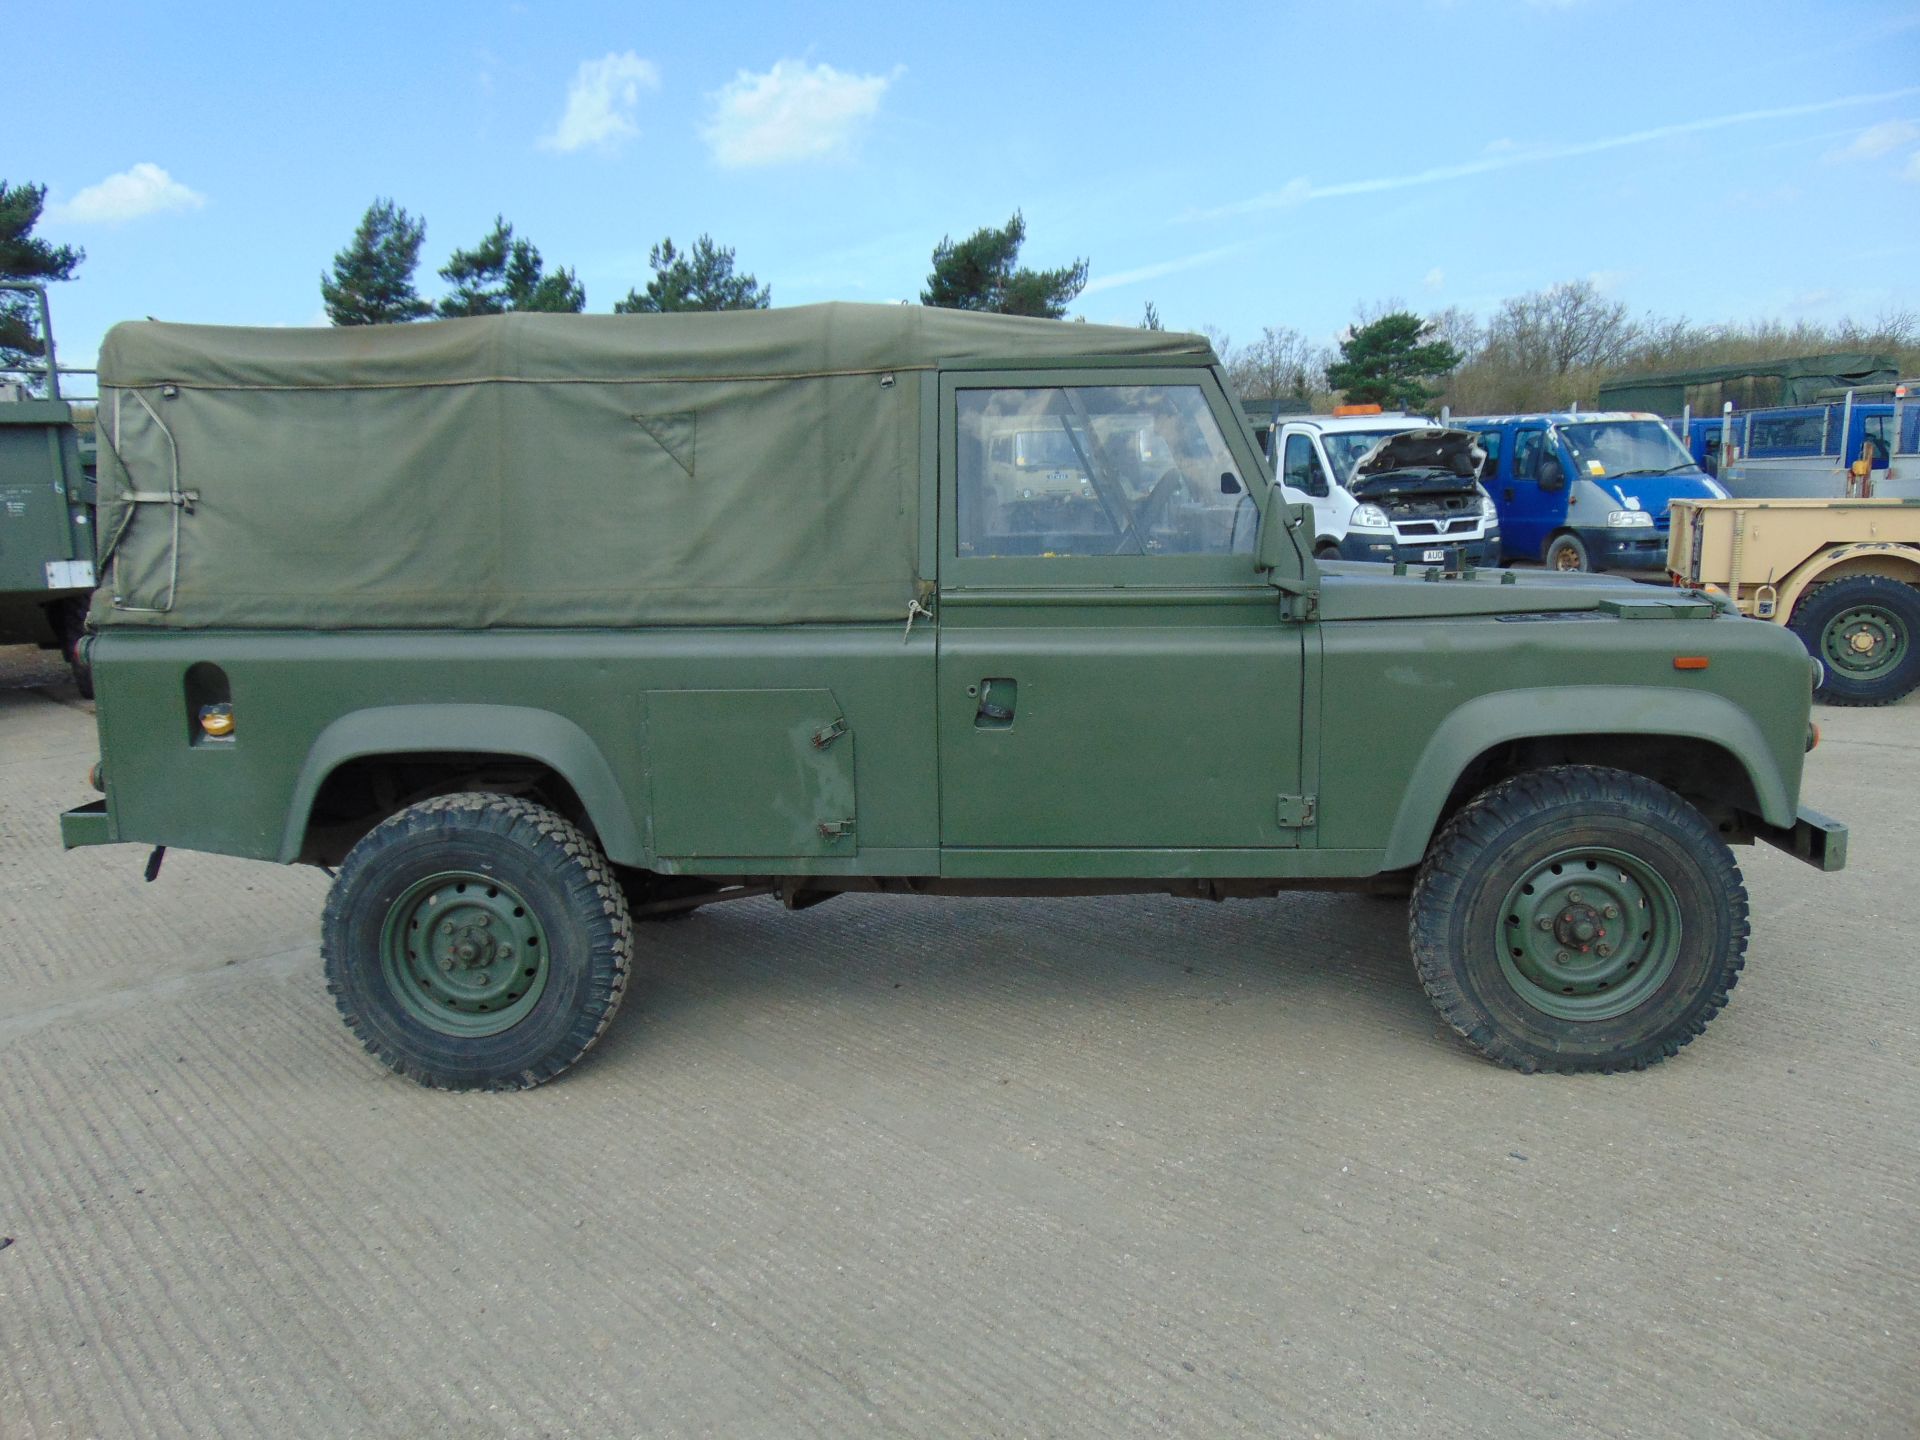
(1567, 552)
(1578, 918)
(1864, 629)
(477, 942)
(70, 622)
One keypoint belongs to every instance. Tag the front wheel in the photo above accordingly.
(1864, 629)
(477, 942)
(1568, 553)
(1578, 919)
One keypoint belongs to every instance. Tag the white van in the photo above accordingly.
(1387, 487)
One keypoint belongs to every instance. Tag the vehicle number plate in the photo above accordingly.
(1428, 556)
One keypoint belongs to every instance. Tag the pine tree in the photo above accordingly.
(24, 256)
(372, 279)
(700, 279)
(1386, 362)
(982, 273)
(502, 273)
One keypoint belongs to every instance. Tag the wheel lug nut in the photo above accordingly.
(1574, 896)
(446, 927)
(1605, 951)
(446, 964)
(481, 978)
(1545, 923)
(1560, 956)
(506, 952)
(1612, 912)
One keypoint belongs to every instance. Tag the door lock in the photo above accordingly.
(997, 699)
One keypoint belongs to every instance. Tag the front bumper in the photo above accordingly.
(1372, 545)
(1637, 549)
(1815, 838)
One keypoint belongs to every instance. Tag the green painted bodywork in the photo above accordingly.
(45, 517)
(1035, 721)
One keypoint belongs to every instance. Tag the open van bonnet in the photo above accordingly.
(1419, 462)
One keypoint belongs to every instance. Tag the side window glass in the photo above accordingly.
(1098, 470)
(1298, 469)
(1526, 454)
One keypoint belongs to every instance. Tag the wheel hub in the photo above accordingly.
(464, 953)
(1865, 642)
(1588, 933)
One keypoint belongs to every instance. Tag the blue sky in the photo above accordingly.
(1239, 165)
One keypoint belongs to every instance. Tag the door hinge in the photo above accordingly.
(836, 829)
(1296, 812)
(825, 737)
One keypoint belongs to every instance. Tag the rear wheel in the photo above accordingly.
(477, 942)
(1567, 552)
(1578, 919)
(1864, 629)
(70, 623)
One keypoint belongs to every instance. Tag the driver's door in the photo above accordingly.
(1114, 674)
(1536, 513)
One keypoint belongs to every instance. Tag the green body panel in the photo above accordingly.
(750, 773)
(45, 519)
(1035, 718)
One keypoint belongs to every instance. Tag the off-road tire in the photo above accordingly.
(1572, 547)
(1507, 836)
(570, 891)
(1898, 606)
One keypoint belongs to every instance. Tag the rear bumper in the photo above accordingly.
(1815, 838)
(88, 824)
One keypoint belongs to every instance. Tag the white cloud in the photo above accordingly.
(1435, 278)
(792, 112)
(1877, 140)
(145, 189)
(601, 101)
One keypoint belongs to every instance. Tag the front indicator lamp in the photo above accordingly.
(216, 721)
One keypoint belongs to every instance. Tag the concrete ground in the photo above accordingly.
(1093, 1168)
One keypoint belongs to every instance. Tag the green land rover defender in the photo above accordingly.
(536, 626)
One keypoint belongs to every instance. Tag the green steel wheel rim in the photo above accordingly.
(1589, 933)
(464, 954)
(1865, 642)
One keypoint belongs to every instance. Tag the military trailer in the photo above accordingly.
(538, 626)
(1843, 575)
(46, 510)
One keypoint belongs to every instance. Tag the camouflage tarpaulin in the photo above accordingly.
(533, 470)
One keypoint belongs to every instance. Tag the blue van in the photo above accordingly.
(1586, 490)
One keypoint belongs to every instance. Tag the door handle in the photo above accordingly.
(997, 699)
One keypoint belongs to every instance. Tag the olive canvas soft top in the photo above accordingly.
(534, 470)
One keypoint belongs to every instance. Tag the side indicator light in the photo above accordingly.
(1689, 662)
(217, 720)
(1813, 736)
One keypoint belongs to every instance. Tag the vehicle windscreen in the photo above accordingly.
(1625, 447)
(1345, 449)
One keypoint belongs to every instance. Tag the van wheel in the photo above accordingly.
(1567, 552)
(1864, 630)
(1326, 550)
(1578, 919)
(477, 942)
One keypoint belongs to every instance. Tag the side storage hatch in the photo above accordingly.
(751, 773)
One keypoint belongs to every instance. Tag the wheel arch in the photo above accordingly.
(1889, 560)
(1656, 733)
(406, 734)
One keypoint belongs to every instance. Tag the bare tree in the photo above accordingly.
(1569, 326)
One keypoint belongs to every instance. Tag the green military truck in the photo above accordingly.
(536, 626)
(46, 510)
